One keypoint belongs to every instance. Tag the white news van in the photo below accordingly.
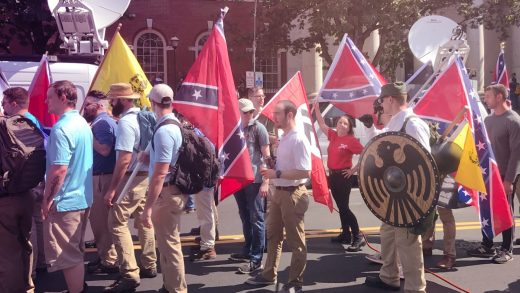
(20, 73)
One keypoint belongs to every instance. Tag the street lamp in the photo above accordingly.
(174, 42)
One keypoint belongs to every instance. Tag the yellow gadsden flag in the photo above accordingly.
(469, 173)
(120, 65)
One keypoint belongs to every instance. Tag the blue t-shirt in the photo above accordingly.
(70, 144)
(34, 120)
(167, 141)
(256, 136)
(104, 131)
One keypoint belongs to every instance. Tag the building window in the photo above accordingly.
(267, 63)
(199, 43)
(150, 51)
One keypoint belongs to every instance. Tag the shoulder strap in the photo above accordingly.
(403, 128)
(165, 122)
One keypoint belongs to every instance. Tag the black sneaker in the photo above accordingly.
(376, 282)
(502, 256)
(357, 244)
(239, 257)
(103, 269)
(250, 268)
(259, 280)
(342, 238)
(517, 241)
(122, 285)
(90, 244)
(195, 231)
(291, 288)
(148, 273)
(482, 251)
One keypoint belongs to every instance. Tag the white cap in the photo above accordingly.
(161, 94)
(245, 105)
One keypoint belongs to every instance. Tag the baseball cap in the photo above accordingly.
(245, 105)
(161, 94)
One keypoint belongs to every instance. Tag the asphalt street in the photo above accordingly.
(330, 268)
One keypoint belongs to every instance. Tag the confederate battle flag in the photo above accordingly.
(500, 74)
(352, 83)
(294, 91)
(207, 98)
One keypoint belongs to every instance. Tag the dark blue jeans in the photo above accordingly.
(251, 207)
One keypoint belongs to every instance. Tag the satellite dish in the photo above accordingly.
(82, 23)
(428, 34)
(105, 12)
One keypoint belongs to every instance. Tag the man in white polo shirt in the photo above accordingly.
(288, 204)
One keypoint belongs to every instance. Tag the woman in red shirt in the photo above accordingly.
(342, 146)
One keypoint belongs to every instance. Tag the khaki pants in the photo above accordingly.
(286, 210)
(132, 203)
(166, 217)
(15, 248)
(449, 229)
(99, 221)
(206, 214)
(409, 247)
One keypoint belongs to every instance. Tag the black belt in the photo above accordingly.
(100, 173)
(338, 171)
(289, 188)
(139, 173)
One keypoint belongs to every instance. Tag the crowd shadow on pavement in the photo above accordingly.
(512, 287)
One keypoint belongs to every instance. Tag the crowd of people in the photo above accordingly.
(91, 156)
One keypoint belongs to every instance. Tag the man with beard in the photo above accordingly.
(104, 132)
(132, 203)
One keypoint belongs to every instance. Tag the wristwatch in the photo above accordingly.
(278, 173)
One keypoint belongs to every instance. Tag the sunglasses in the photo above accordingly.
(249, 112)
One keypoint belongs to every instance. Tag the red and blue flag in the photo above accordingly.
(38, 94)
(500, 74)
(451, 92)
(208, 99)
(352, 83)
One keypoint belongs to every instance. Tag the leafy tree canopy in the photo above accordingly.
(326, 20)
(30, 23)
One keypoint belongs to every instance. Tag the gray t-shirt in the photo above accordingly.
(256, 136)
(504, 135)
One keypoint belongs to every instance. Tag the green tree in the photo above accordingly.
(326, 20)
(30, 23)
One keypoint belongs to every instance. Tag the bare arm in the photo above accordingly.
(122, 163)
(264, 188)
(53, 184)
(102, 149)
(324, 128)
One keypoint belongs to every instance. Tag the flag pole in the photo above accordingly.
(101, 64)
(453, 123)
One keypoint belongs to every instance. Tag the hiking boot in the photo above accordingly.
(239, 257)
(502, 256)
(207, 254)
(259, 280)
(342, 238)
(147, 273)
(376, 282)
(250, 268)
(291, 288)
(517, 241)
(122, 285)
(447, 262)
(375, 258)
(103, 269)
(357, 243)
(481, 251)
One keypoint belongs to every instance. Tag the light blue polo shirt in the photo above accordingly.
(128, 135)
(167, 141)
(70, 144)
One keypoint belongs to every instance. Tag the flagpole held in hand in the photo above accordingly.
(129, 181)
(453, 123)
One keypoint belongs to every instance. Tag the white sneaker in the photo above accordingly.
(375, 258)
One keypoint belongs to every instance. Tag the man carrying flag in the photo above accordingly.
(503, 128)
(289, 202)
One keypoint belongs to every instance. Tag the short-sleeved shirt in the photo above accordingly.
(341, 149)
(128, 135)
(256, 136)
(70, 144)
(294, 153)
(104, 130)
(167, 141)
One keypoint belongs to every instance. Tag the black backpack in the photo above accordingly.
(22, 159)
(197, 166)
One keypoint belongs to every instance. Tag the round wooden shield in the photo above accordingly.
(398, 179)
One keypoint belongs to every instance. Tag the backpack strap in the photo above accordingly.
(165, 122)
(403, 128)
